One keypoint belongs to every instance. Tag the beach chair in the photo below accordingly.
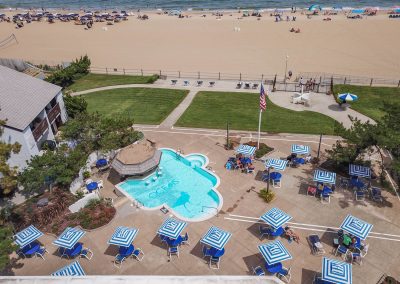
(185, 239)
(186, 83)
(173, 251)
(258, 271)
(264, 231)
(173, 82)
(325, 198)
(247, 85)
(214, 262)
(318, 280)
(376, 194)
(239, 85)
(343, 251)
(86, 253)
(206, 251)
(311, 190)
(284, 274)
(255, 86)
(138, 254)
(316, 246)
(212, 84)
(344, 183)
(199, 83)
(119, 259)
(100, 184)
(359, 194)
(164, 239)
(40, 252)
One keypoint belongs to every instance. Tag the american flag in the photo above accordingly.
(263, 103)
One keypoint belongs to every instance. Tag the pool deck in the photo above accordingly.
(241, 205)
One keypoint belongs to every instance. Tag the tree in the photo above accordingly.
(8, 175)
(75, 105)
(6, 246)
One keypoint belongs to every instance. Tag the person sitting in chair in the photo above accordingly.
(291, 235)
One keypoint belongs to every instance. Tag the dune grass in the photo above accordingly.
(371, 99)
(215, 109)
(144, 105)
(91, 81)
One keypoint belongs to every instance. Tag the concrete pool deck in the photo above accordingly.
(240, 210)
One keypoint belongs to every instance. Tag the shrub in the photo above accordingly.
(86, 174)
(268, 196)
(264, 149)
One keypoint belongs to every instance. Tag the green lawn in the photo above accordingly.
(144, 105)
(214, 109)
(91, 81)
(370, 99)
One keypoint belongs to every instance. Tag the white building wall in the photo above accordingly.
(59, 98)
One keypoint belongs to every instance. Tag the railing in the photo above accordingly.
(216, 209)
(40, 129)
(53, 113)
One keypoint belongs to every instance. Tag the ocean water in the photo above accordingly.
(189, 4)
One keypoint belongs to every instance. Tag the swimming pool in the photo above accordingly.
(181, 183)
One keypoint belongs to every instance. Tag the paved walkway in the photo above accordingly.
(178, 111)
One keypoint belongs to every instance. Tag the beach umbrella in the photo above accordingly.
(277, 164)
(216, 238)
(27, 235)
(397, 10)
(325, 176)
(246, 150)
(300, 149)
(348, 97)
(73, 269)
(274, 252)
(356, 170)
(276, 217)
(314, 7)
(69, 238)
(358, 11)
(356, 227)
(335, 271)
(123, 236)
(172, 228)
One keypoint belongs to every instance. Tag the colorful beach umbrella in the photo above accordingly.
(69, 238)
(277, 164)
(73, 269)
(123, 236)
(27, 235)
(216, 238)
(315, 7)
(361, 171)
(172, 228)
(274, 252)
(336, 271)
(356, 227)
(300, 149)
(325, 176)
(246, 150)
(276, 217)
(348, 97)
(358, 11)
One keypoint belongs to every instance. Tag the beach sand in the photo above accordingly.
(367, 47)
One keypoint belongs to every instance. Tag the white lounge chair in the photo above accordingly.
(296, 98)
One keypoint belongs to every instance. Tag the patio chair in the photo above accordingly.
(214, 262)
(239, 85)
(185, 239)
(277, 182)
(86, 253)
(206, 251)
(344, 183)
(325, 197)
(40, 252)
(305, 99)
(318, 280)
(173, 251)
(88, 181)
(247, 85)
(119, 259)
(355, 256)
(212, 84)
(138, 254)
(296, 98)
(359, 194)
(100, 184)
(258, 271)
(255, 86)
(199, 83)
(164, 239)
(311, 190)
(376, 194)
(316, 246)
(284, 274)
(264, 231)
(173, 82)
(186, 83)
(342, 250)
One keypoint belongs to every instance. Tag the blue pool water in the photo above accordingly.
(181, 184)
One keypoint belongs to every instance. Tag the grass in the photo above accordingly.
(214, 109)
(144, 105)
(91, 81)
(371, 99)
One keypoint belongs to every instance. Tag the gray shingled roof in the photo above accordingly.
(22, 97)
(137, 169)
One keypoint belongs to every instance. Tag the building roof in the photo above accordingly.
(23, 97)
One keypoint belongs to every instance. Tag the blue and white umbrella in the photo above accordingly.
(274, 252)
(123, 236)
(347, 97)
(358, 11)
(356, 170)
(73, 269)
(276, 217)
(172, 228)
(324, 176)
(336, 271)
(300, 149)
(27, 235)
(314, 7)
(356, 227)
(246, 150)
(277, 164)
(69, 238)
(216, 238)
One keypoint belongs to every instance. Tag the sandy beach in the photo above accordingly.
(364, 47)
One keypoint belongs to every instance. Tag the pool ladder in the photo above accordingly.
(216, 209)
(179, 152)
(138, 204)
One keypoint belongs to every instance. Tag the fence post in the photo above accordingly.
(262, 77)
(240, 77)
(141, 71)
(106, 70)
(179, 74)
(124, 70)
(219, 76)
(198, 75)
(398, 85)
(370, 84)
(345, 79)
(273, 84)
(160, 73)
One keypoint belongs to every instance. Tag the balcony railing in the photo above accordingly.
(53, 113)
(40, 129)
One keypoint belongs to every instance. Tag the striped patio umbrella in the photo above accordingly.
(300, 149)
(123, 236)
(73, 269)
(277, 164)
(246, 150)
(172, 228)
(69, 238)
(216, 238)
(275, 217)
(336, 271)
(274, 252)
(356, 227)
(356, 170)
(314, 7)
(27, 235)
(348, 97)
(324, 176)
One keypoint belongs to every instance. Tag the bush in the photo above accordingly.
(264, 149)
(152, 79)
(86, 174)
(268, 196)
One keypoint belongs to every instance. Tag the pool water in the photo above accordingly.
(181, 184)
